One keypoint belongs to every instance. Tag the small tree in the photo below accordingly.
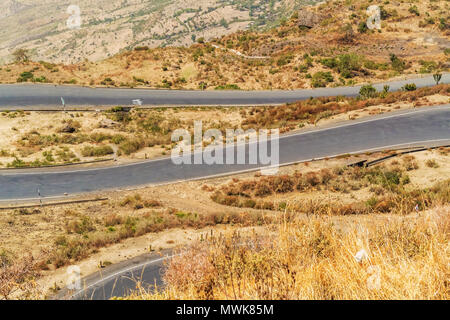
(385, 91)
(437, 77)
(21, 55)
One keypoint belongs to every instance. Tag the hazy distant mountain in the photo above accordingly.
(111, 25)
(10, 7)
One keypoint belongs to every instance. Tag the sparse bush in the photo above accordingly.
(80, 226)
(414, 10)
(89, 151)
(130, 146)
(397, 64)
(321, 79)
(431, 163)
(362, 27)
(409, 87)
(368, 91)
(25, 76)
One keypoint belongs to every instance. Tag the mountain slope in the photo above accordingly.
(109, 26)
(323, 45)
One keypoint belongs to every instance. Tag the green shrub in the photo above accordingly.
(25, 76)
(443, 25)
(396, 63)
(427, 66)
(414, 10)
(345, 64)
(47, 65)
(81, 227)
(329, 62)
(409, 87)
(368, 91)
(362, 27)
(321, 79)
(285, 59)
(228, 87)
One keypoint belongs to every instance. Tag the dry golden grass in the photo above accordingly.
(316, 258)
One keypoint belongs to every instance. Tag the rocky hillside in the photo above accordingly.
(108, 26)
(327, 44)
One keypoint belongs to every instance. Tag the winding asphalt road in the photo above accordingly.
(416, 127)
(29, 96)
(427, 126)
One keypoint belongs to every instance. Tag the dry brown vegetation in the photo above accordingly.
(291, 116)
(316, 258)
(50, 138)
(386, 189)
(333, 52)
(85, 236)
(17, 275)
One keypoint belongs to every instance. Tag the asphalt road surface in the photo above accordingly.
(417, 127)
(30, 96)
(121, 279)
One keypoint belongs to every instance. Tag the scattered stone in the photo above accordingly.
(68, 129)
(108, 124)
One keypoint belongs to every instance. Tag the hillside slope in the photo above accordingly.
(325, 45)
(107, 26)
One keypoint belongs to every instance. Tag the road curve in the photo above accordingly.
(119, 279)
(427, 125)
(27, 96)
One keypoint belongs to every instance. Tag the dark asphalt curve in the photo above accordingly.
(413, 127)
(32, 95)
(119, 280)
